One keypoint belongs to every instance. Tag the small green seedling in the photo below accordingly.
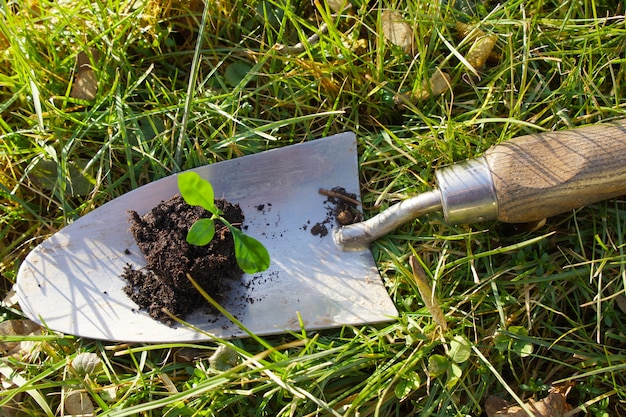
(251, 255)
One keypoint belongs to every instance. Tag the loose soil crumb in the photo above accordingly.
(319, 229)
(342, 210)
(163, 283)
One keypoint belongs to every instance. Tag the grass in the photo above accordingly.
(537, 309)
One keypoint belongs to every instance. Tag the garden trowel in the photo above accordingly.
(72, 281)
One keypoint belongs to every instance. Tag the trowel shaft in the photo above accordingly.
(525, 179)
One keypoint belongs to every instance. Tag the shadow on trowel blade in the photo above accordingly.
(72, 281)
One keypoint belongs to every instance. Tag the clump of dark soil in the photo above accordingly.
(163, 283)
(345, 206)
(341, 207)
(320, 229)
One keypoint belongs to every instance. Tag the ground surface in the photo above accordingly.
(177, 85)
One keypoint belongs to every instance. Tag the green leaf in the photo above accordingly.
(86, 363)
(521, 347)
(252, 257)
(454, 376)
(201, 232)
(438, 365)
(460, 349)
(196, 191)
(224, 358)
(237, 72)
(403, 388)
(504, 342)
(77, 180)
(501, 341)
(406, 385)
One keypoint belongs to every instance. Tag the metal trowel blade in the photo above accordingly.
(72, 281)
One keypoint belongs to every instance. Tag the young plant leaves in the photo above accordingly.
(252, 257)
(196, 191)
(201, 232)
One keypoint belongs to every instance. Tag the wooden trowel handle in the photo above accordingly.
(525, 179)
(544, 174)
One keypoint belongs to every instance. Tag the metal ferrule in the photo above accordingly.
(467, 192)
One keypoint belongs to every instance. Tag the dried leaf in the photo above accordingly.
(482, 47)
(11, 377)
(300, 47)
(494, 405)
(33, 7)
(10, 299)
(12, 406)
(554, 405)
(338, 5)
(396, 30)
(620, 300)
(464, 30)
(480, 51)
(437, 84)
(17, 328)
(85, 85)
(109, 394)
(431, 302)
(187, 355)
(78, 403)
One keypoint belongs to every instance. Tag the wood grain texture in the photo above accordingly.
(541, 175)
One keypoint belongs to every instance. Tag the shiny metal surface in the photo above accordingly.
(72, 281)
(466, 195)
(358, 236)
(467, 192)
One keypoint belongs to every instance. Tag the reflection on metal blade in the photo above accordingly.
(72, 281)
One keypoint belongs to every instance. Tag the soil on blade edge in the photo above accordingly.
(340, 208)
(163, 284)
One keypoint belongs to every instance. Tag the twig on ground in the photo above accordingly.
(300, 46)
